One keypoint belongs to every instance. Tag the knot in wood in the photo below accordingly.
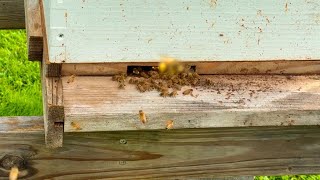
(8, 161)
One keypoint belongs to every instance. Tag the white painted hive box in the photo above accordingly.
(95, 31)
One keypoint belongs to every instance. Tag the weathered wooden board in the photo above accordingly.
(208, 68)
(94, 103)
(12, 14)
(21, 124)
(189, 30)
(174, 154)
(34, 30)
(52, 106)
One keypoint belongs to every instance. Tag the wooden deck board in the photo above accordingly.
(166, 154)
(94, 103)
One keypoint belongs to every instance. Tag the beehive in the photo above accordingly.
(250, 49)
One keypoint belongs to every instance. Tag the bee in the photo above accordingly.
(183, 75)
(174, 93)
(196, 75)
(71, 78)
(153, 74)
(187, 92)
(142, 117)
(164, 92)
(147, 86)
(76, 126)
(141, 88)
(194, 82)
(121, 85)
(145, 75)
(119, 77)
(163, 84)
(169, 83)
(115, 77)
(14, 173)
(133, 80)
(208, 82)
(176, 87)
(169, 124)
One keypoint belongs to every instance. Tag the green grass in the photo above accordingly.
(297, 177)
(20, 87)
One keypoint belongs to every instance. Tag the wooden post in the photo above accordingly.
(34, 30)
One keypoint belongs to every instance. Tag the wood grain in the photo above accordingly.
(12, 14)
(206, 68)
(53, 111)
(34, 30)
(94, 103)
(167, 154)
(52, 97)
(21, 124)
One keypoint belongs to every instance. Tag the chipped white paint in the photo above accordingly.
(82, 31)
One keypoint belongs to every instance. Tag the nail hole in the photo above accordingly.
(123, 141)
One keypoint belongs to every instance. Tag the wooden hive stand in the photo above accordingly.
(262, 119)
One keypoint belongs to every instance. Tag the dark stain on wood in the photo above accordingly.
(178, 153)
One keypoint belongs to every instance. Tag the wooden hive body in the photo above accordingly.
(253, 50)
(190, 30)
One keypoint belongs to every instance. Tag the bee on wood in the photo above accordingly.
(134, 80)
(196, 75)
(147, 86)
(145, 75)
(189, 75)
(163, 85)
(164, 92)
(121, 85)
(14, 173)
(76, 126)
(187, 92)
(157, 87)
(154, 74)
(141, 88)
(174, 93)
(71, 78)
(142, 117)
(119, 77)
(183, 75)
(195, 82)
(208, 82)
(177, 87)
(169, 124)
(169, 83)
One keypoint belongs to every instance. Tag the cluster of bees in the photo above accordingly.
(167, 84)
(168, 79)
